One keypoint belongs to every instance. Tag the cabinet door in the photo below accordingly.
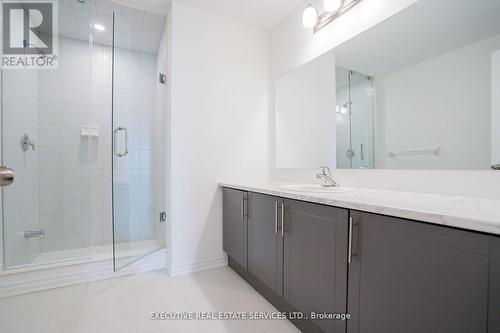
(415, 277)
(235, 225)
(265, 244)
(315, 261)
(494, 293)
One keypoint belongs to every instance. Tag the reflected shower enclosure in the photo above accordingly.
(354, 119)
(86, 142)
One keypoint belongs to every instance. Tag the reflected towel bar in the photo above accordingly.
(435, 151)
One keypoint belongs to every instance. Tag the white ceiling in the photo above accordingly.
(139, 23)
(153, 6)
(264, 14)
(134, 28)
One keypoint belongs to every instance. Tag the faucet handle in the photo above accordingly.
(325, 170)
(325, 176)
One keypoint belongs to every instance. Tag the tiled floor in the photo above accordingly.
(123, 305)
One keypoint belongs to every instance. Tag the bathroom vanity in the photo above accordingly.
(393, 261)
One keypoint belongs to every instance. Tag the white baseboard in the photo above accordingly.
(198, 266)
(16, 283)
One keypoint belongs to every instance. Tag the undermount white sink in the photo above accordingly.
(315, 188)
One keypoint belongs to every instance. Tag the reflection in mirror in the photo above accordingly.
(354, 118)
(305, 116)
(421, 90)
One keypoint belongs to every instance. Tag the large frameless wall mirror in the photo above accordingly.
(420, 90)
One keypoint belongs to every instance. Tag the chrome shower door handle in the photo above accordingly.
(6, 176)
(115, 133)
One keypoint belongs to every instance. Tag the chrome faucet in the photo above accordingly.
(326, 177)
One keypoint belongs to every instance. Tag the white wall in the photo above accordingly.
(75, 175)
(21, 200)
(218, 123)
(495, 107)
(291, 46)
(448, 98)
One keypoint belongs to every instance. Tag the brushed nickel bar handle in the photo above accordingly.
(276, 217)
(282, 219)
(242, 208)
(349, 246)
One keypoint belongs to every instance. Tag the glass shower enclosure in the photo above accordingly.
(355, 120)
(85, 141)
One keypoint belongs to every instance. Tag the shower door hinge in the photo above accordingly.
(163, 217)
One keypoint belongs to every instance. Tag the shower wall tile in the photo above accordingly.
(49, 136)
(50, 113)
(96, 239)
(50, 90)
(50, 203)
(72, 175)
(75, 242)
(49, 158)
(50, 182)
(49, 244)
(52, 225)
(21, 199)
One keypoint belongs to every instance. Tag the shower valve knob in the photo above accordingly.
(26, 143)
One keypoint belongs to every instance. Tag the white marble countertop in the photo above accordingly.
(469, 213)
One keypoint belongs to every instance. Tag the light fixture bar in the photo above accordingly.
(327, 18)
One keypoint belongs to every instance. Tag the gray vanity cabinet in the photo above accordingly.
(265, 244)
(494, 292)
(235, 222)
(315, 261)
(389, 274)
(414, 277)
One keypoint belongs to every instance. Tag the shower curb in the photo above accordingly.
(26, 281)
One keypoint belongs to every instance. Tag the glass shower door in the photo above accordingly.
(361, 113)
(47, 210)
(136, 129)
(355, 119)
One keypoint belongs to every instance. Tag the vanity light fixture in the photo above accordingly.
(333, 9)
(310, 16)
(332, 5)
